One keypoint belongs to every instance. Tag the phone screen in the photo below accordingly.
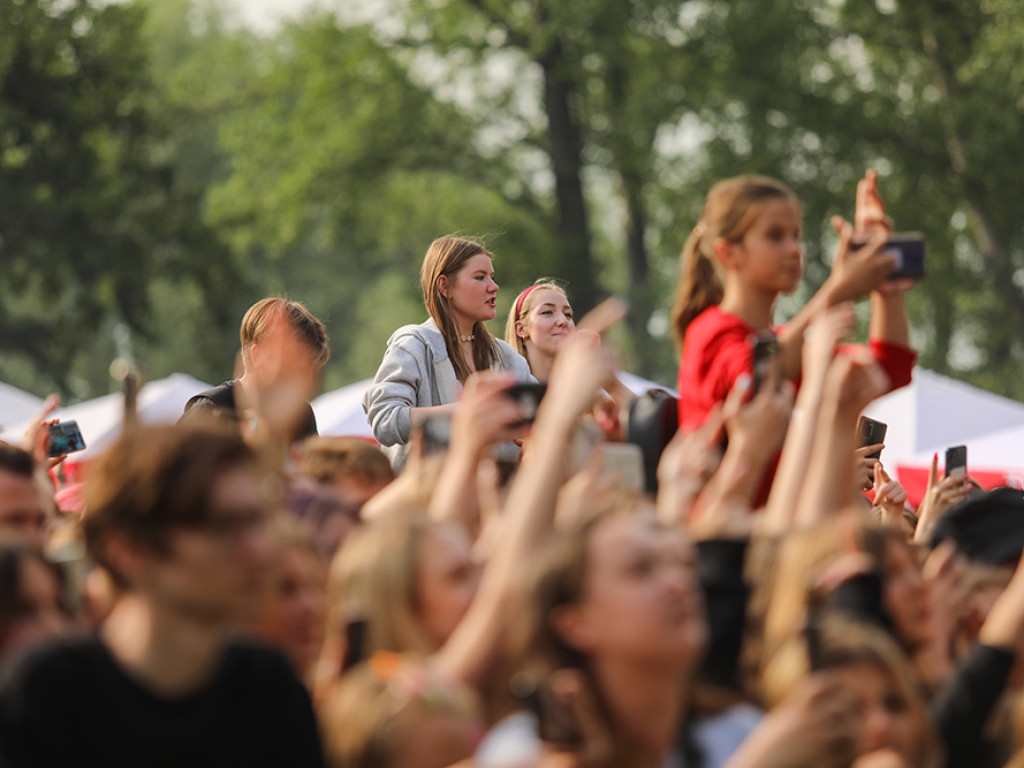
(65, 437)
(956, 461)
(764, 349)
(871, 432)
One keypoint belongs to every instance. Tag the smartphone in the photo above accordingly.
(764, 346)
(437, 434)
(65, 437)
(871, 432)
(956, 461)
(625, 460)
(909, 250)
(528, 395)
(908, 247)
(556, 724)
(355, 643)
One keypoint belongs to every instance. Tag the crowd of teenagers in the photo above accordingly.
(534, 567)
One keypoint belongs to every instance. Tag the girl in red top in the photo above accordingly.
(743, 253)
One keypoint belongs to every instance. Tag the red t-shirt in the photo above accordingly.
(716, 351)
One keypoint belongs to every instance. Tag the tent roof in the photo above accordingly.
(340, 411)
(16, 405)
(160, 401)
(934, 412)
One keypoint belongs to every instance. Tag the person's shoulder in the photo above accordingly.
(713, 327)
(512, 361)
(221, 396)
(253, 660)
(423, 335)
(55, 663)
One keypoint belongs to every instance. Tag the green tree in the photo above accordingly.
(89, 211)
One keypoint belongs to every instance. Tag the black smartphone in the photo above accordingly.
(909, 250)
(956, 461)
(908, 247)
(556, 724)
(65, 437)
(355, 643)
(764, 348)
(437, 434)
(871, 432)
(528, 395)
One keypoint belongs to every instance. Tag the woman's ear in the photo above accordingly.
(571, 627)
(521, 330)
(726, 252)
(442, 285)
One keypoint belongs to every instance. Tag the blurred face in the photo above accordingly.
(888, 720)
(215, 573)
(446, 581)
(22, 507)
(548, 323)
(770, 255)
(45, 618)
(906, 596)
(292, 614)
(472, 290)
(641, 600)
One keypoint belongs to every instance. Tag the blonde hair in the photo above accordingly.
(730, 209)
(845, 643)
(261, 316)
(446, 256)
(521, 308)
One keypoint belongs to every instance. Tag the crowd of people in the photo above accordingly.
(496, 583)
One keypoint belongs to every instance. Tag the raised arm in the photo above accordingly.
(580, 369)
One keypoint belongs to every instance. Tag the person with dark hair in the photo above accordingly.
(426, 366)
(31, 604)
(284, 346)
(23, 507)
(176, 516)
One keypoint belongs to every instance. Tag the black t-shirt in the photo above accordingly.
(70, 704)
(222, 398)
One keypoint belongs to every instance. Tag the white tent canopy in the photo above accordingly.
(100, 419)
(935, 412)
(340, 411)
(17, 405)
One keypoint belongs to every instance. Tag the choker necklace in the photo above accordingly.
(467, 338)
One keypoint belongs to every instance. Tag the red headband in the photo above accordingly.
(522, 298)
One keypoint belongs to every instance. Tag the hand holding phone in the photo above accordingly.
(871, 432)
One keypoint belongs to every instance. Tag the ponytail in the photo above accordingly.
(700, 285)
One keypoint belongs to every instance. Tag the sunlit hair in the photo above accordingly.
(262, 315)
(371, 715)
(730, 209)
(803, 556)
(373, 578)
(844, 643)
(446, 256)
(521, 308)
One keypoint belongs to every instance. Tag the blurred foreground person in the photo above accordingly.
(177, 517)
(23, 504)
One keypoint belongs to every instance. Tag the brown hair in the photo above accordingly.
(328, 459)
(730, 209)
(16, 460)
(260, 317)
(521, 308)
(446, 256)
(154, 479)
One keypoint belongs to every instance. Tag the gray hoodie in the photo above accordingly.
(416, 373)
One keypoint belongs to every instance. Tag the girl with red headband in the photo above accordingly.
(539, 323)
